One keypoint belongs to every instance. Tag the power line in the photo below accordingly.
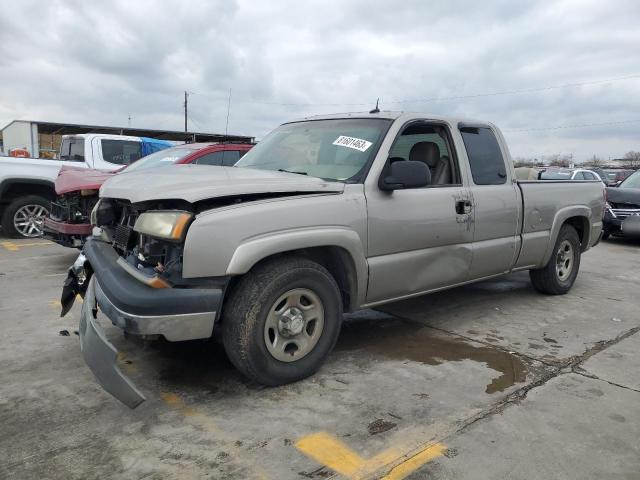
(559, 127)
(515, 92)
(428, 99)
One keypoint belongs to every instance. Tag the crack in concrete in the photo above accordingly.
(567, 366)
(580, 371)
(551, 370)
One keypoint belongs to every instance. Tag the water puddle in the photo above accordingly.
(399, 340)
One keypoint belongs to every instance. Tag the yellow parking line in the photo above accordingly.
(14, 247)
(202, 420)
(415, 462)
(331, 452)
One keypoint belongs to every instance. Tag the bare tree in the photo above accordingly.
(632, 159)
(595, 162)
(557, 160)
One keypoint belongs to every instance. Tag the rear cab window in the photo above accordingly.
(121, 152)
(485, 157)
(72, 149)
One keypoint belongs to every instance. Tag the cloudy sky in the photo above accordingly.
(99, 62)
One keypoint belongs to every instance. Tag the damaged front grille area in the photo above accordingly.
(72, 208)
(147, 254)
(624, 210)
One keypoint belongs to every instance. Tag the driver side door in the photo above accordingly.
(419, 239)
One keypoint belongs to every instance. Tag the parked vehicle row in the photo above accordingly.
(325, 215)
(68, 223)
(622, 215)
(27, 186)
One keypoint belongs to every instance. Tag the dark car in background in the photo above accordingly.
(68, 223)
(603, 176)
(617, 175)
(622, 214)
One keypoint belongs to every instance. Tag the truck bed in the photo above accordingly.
(546, 204)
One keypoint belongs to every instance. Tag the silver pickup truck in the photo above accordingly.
(325, 215)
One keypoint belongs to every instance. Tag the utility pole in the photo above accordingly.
(226, 126)
(129, 121)
(186, 96)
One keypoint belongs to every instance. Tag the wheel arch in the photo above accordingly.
(13, 188)
(579, 218)
(339, 250)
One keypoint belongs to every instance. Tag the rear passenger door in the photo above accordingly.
(495, 201)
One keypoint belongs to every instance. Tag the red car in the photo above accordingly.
(69, 224)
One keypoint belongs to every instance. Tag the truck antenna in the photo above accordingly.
(376, 110)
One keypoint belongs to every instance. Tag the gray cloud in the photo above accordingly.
(84, 62)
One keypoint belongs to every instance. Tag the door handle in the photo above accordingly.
(463, 207)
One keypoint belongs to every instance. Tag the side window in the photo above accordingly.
(214, 158)
(427, 143)
(485, 157)
(230, 158)
(580, 176)
(226, 158)
(121, 152)
(589, 176)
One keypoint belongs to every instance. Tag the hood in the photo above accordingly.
(623, 195)
(193, 183)
(73, 179)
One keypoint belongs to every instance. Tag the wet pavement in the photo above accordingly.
(491, 380)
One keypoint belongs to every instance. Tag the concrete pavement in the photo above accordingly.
(491, 380)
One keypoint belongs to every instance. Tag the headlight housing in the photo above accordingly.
(168, 225)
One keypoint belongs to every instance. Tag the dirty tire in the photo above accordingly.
(547, 279)
(249, 304)
(8, 229)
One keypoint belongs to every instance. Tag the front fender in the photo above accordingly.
(251, 251)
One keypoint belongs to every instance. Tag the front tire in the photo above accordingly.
(559, 274)
(282, 320)
(24, 217)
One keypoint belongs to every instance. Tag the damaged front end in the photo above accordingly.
(68, 222)
(75, 284)
(130, 272)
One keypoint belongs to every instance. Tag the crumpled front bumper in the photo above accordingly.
(101, 356)
(112, 292)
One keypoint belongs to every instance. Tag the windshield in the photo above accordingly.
(161, 158)
(556, 175)
(632, 181)
(329, 149)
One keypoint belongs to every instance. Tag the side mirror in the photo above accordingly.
(405, 174)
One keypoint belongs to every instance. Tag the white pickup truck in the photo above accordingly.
(27, 184)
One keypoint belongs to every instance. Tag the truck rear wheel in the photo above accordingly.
(24, 217)
(559, 274)
(282, 320)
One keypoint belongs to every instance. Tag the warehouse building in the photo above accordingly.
(42, 139)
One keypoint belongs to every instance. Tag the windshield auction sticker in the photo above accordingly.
(352, 142)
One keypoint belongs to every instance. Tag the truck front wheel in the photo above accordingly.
(560, 272)
(281, 320)
(24, 217)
